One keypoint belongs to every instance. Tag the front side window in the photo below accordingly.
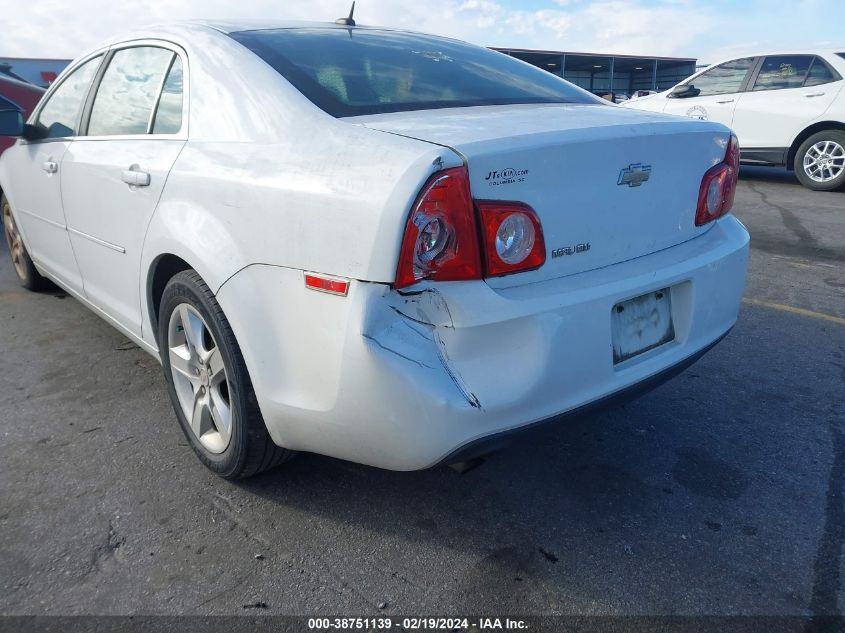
(726, 78)
(349, 72)
(820, 73)
(779, 72)
(60, 114)
(128, 91)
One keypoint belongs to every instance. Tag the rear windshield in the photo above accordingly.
(350, 72)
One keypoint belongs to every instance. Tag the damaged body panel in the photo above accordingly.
(401, 380)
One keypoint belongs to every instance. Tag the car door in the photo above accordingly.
(36, 172)
(134, 127)
(785, 95)
(716, 92)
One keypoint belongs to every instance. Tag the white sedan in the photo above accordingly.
(785, 108)
(387, 247)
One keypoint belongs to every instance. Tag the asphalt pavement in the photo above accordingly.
(721, 492)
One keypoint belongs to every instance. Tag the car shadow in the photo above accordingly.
(682, 487)
(775, 175)
(610, 493)
(49, 287)
(769, 174)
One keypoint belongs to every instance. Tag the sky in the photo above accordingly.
(709, 30)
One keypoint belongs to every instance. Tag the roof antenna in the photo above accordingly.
(347, 21)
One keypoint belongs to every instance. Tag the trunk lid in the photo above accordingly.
(609, 184)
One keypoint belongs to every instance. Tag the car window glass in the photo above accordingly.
(349, 72)
(60, 113)
(723, 79)
(168, 116)
(820, 73)
(783, 71)
(128, 91)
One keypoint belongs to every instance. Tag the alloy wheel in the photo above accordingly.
(14, 241)
(824, 161)
(199, 375)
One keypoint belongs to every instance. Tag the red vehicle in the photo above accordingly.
(17, 95)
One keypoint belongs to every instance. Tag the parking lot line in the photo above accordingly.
(792, 309)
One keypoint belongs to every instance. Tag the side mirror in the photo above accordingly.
(684, 91)
(33, 132)
(11, 123)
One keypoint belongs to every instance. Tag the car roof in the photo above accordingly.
(233, 26)
(832, 55)
(793, 51)
(186, 27)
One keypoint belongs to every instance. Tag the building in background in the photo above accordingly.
(620, 75)
(40, 72)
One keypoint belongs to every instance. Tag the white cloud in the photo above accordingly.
(55, 28)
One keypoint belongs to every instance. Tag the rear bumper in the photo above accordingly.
(403, 381)
(485, 445)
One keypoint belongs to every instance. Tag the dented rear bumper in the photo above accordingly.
(404, 380)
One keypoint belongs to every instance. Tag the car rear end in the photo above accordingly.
(406, 378)
(598, 259)
(557, 256)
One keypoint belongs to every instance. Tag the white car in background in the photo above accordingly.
(785, 108)
(378, 245)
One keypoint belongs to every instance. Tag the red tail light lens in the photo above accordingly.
(718, 187)
(513, 238)
(441, 239)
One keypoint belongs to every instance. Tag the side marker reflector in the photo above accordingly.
(324, 284)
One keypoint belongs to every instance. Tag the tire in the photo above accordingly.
(213, 399)
(829, 146)
(28, 276)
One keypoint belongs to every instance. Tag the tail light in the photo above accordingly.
(441, 240)
(513, 238)
(718, 187)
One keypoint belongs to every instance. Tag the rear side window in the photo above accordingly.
(128, 91)
(349, 72)
(60, 113)
(820, 73)
(779, 72)
(726, 78)
(168, 115)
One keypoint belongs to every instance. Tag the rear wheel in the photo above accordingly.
(28, 276)
(208, 382)
(820, 161)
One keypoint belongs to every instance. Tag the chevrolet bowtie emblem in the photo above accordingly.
(634, 175)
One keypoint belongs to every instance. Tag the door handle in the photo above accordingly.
(50, 166)
(726, 101)
(136, 178)
(814, 94)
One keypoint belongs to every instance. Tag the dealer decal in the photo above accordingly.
(697, 112)
(507, 176)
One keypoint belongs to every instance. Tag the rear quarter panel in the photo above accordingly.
(332, 199)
